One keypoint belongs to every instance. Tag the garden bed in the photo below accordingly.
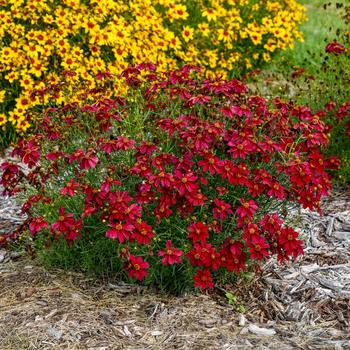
(304, 305)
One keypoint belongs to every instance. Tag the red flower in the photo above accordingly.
(241, 149)
(64, 223)
(89, 160)
(198, 232)
(276, 190)
(106, 185)
(258, 248)
(30, 154)
(185, 182)
(120, 231)
(335, 47)
(170, 255)
(136, 267)
(69, 189)
(247, 209)
(271, 223)
(210, 163)
(143, 233)
(123, 143)
(221, 190)
(196, 198)
(203, 280)
(289, 242)
(233, 262)
(222, 209)
(37, 224)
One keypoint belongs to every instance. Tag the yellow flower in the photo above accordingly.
(3, 119)
(266, 57)
(2, 95)
(210, 14)
(187, 33)
(204, 28)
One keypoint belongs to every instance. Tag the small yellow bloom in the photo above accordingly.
(210, 14)
(187, 33)
(3, 119)
(2, 96)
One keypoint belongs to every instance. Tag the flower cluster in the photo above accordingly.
(39, 39)
(181, 174)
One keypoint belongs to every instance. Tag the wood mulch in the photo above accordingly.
(302, 305)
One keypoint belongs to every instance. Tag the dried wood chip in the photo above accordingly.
(263, 332)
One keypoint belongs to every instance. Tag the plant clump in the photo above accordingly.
(183, 181)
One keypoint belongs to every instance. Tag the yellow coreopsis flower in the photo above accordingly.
(2, 95)
(204, 28)
(210, 14)
(3, 119)
(187, 33)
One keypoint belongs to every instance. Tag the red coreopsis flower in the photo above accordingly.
(162, 211)
(203, 279)
(170, 254)
(30, 201)
(233, 262)
(76, 155)
(37, 224)
(119, 198)
(271, 223)
(203, 254)
(65, 221)
(333, 162)
(106, 185)
(186, 183)
(263, 177)
(199, 99)
(258, 248)
(145, 148)
(69, 189)
(88, 160)
(221, 190)
(123, 143)
(143, 233)
(247, 209)
(132, 212)
(335, 47)
(255, 188)
(9, 167)
(276, 190)
(30, 154)
(241, 149)
(250, 230)
(222, 209)
(198, 231)
(289, 241)
(210, 163)
(120, 231)
(136, 267)
(196, 199)
(107, 146)
(164, 179)
(74, 232)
